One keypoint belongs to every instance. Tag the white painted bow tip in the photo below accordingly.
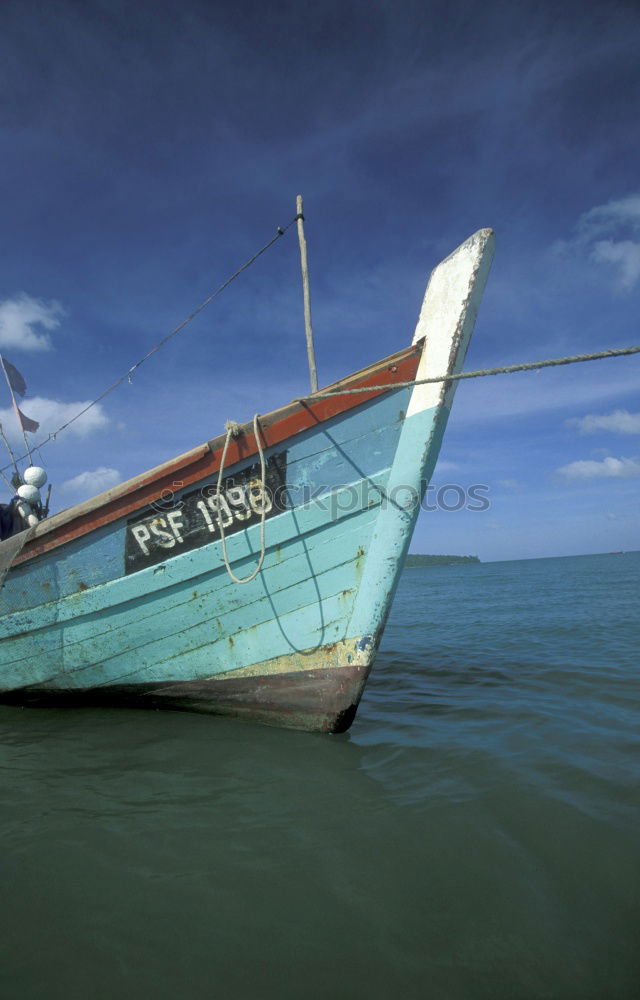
(456, 284)
(447, 317)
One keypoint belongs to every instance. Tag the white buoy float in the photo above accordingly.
(28, 498)
(35, 476)
(29, 493)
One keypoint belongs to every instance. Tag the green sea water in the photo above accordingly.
(476, 834)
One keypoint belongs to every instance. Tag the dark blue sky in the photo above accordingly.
(149, 149)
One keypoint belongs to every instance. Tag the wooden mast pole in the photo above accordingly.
(311, 354)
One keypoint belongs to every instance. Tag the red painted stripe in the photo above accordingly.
(203, 463)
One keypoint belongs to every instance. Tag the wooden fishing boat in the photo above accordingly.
(130, 596)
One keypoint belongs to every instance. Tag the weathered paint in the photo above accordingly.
(294, 646)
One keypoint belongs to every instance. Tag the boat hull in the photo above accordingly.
(180, 633)
(127, 599)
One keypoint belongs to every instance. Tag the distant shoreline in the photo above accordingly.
(575, 555)
(413, 561)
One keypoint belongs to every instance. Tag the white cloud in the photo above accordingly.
(610, 234)
(87, 484)
(19, 316)
(608, 468)
(625, 254)
(620, 422)
(51, 415)
(600, 219)
(509, 484)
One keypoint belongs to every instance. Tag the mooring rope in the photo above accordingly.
(280, 231)
(526, 366)
(233, 429)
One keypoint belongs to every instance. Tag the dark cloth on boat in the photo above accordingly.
(8, 520)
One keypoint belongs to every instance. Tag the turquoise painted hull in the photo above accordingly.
(140, 610)
(73, 623)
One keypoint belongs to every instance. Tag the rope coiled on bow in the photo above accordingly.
(233, 429)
